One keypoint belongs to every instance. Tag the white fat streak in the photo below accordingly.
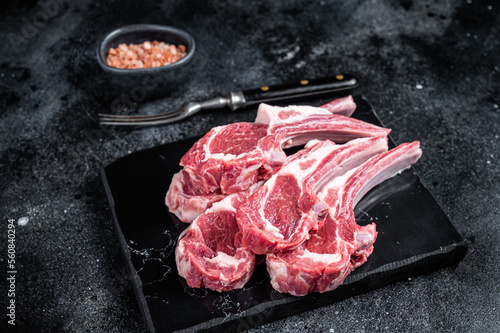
(269, 115)
(206, 146)
(219, 156)
(269, 227)
(226, 157)
(183, 264)
(273, 230)
(223, 205)
(226, 260)
(327, 258)
(244, 172)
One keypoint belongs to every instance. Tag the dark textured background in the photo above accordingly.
(430, 69)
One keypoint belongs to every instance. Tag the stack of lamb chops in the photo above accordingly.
(244, 197)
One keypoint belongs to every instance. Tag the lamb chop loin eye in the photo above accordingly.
(209, 252)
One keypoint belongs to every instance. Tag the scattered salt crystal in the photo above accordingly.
(419, 86)
(22, 221)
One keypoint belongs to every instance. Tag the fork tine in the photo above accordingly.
(156, 119)
(148, 116)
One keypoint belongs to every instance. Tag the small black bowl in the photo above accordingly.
(143, 83)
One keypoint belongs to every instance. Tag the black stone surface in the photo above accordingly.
(430, 69)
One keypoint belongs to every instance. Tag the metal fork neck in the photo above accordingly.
(194, 107)
(235, 101)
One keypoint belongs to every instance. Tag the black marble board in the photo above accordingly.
(415, 237)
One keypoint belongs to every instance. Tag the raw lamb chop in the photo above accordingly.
(209, 252)
(185, 201)
(233, 157)
(279, 216)
(322, 262)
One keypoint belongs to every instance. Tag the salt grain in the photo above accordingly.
(23, 221)
(145, 55)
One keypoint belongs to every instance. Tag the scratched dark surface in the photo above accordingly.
(430, 69)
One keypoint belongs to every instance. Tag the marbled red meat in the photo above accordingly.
(322, 262)
(215, 162)
(279, 216)
(187, 202)
(209, 252)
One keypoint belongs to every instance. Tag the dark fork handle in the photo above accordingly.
(304, 89)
